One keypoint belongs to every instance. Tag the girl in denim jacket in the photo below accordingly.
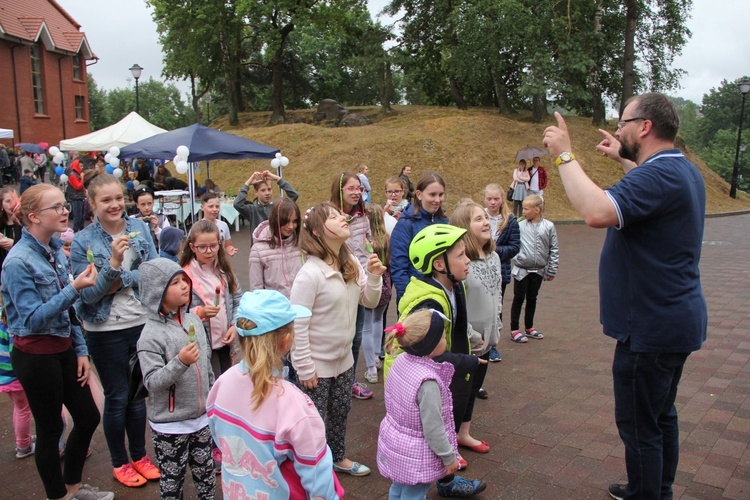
(113, 317)
(49, 355)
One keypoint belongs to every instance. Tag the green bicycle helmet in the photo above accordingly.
(430, 243)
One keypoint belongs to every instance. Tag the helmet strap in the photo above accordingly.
(447, 271)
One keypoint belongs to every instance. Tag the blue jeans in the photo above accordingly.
(357, 342)
(407, 492)
(111, 352)
(645, 386)
(77, 209)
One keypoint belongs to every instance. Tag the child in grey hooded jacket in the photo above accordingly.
(174, 354)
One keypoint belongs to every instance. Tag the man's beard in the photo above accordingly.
(629, 152)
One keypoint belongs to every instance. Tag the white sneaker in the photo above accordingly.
(87, 492)
(379, 364)
(371, 375)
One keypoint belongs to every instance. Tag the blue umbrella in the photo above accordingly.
(205, 143)
(30, 147)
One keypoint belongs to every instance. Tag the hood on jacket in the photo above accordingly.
(422, 214)
(153, 280)
(170, 239)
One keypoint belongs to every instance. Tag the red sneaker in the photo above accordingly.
(146, 468)
(128, 476)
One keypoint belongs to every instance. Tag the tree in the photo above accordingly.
(160, 104)
(98, 118)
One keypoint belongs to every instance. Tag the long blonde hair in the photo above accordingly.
(263, 354)
(504, 211)
(461, 217)
(381, 242)
(313, 243)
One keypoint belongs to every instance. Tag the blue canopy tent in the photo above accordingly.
(204, 143)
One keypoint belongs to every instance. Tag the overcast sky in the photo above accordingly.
(719, 48)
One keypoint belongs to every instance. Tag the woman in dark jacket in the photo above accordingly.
(405, 173)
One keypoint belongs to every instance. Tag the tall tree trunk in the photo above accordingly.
(501, 94)
(628, 75)
(538, 108)
(456, 93)
(386, 87)
(277, 78)
(599, 112)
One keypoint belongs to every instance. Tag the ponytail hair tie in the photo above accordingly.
(398, 328)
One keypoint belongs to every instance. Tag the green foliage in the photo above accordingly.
(160, 104)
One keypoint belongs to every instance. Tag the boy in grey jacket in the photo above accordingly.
(174, 354)
(535, 263)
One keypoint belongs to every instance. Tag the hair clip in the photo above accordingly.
(306, 217)
(398, 328)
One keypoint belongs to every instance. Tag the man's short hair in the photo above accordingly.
(659, 109)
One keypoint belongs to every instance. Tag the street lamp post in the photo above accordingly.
(136, 71)
(744, 88)
(742, 157)
(208, 108)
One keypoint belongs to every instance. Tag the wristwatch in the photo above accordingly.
(565, 157)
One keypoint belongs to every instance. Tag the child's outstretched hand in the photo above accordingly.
(374, 266)
(189, 354)
(452, 468)
(231, 250)
(209, 311)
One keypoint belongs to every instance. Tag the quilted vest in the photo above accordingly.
(403, 454)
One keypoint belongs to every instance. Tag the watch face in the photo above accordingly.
(565, 157)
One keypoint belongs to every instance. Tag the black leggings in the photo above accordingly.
(49, 381)
(528, 289)
(476, 384)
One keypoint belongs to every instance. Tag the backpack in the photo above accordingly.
(542, 178)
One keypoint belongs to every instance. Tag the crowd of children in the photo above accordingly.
(257, 386)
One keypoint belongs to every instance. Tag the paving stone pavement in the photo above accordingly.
(549, 418)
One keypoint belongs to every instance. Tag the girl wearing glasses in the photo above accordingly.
(216, 291)
(113, 318)
(49, 356)
(347, 193)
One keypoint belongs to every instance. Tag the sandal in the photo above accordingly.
(517, 336)
(534, 333)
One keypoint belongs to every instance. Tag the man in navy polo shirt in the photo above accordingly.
(649, 282)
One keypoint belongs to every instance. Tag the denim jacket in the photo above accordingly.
(36, 303)
(94, 304)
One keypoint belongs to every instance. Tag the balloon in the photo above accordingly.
(59, 170)
(114, 151)
(114, 161)
(130, 185)
(109, 169)
(136, 183)
(183, 151)
(284, 161)
(177, 159)
(278, 155)
(275, 163)
(182, 167)
(117, 172)
(63, 179)
(58, 158)
(107, 157)
(54, 150)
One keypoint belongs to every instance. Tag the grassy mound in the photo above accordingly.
(468, 148)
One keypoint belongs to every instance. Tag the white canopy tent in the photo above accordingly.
(132, 128)
(6, 133)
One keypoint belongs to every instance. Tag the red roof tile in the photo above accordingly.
(43, 21)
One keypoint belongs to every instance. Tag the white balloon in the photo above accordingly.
(275, 163)
(136, 183)
(182, 167)
(114, 162)
(177, 159)
(63, 179)
(117, 172)
(107, 157)
(183, 151)
(284, 161)
(114, 151)
(54, 150)
(278, 155)
(58, 158)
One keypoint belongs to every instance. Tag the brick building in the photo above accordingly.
(43, 57)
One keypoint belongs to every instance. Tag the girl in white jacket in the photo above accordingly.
(331, 284)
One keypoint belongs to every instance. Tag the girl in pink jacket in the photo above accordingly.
(272, 439)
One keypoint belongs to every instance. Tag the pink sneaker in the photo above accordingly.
(360, 391)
